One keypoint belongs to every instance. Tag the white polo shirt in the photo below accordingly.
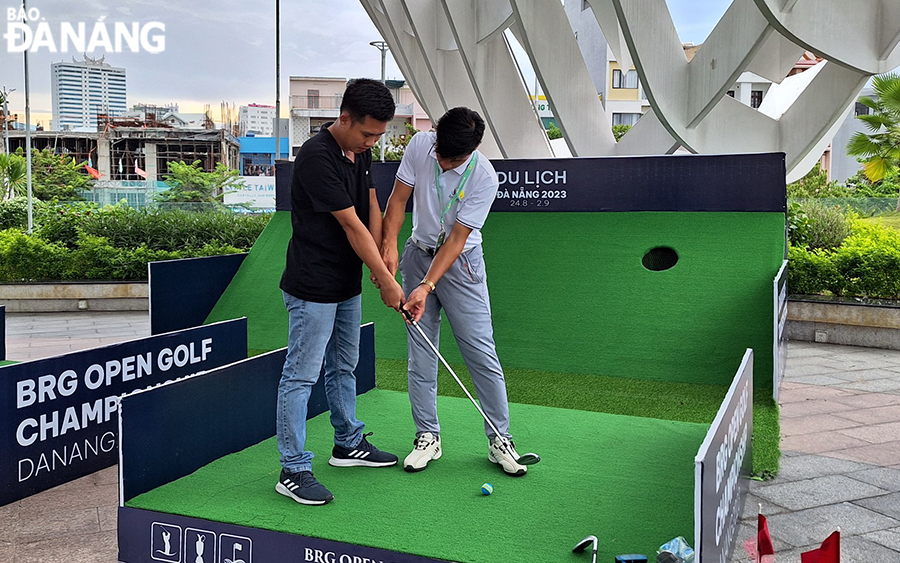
(417, 170)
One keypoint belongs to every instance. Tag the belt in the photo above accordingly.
(422, 246)
(431, 251)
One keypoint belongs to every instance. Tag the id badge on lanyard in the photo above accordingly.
(457, 194)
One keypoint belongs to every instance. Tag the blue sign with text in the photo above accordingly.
(59, 416)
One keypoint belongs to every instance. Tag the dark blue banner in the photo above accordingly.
(147, 536)
(2, 332)
(194, 421)
(742, 182)
(59, 416)
(183, 292)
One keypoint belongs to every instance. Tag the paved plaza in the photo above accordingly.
(840, 438)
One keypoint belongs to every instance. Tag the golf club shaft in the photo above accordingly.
(453, 373)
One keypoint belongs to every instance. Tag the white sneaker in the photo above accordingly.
(427, 448)
(503, 452)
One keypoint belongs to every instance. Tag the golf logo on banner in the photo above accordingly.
(60, 415)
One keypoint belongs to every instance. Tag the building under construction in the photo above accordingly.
(134, 149)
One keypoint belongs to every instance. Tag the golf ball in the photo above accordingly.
(487, 489)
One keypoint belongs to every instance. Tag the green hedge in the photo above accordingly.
(83, 241)
(867, 264)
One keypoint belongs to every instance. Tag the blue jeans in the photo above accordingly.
(318, 332)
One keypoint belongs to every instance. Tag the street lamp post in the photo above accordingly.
(28, 186)
(277, 82)
(6, 118)
(384, 48)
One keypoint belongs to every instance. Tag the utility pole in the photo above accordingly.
(277, 81)
(384, 48)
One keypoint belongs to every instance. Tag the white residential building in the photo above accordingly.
(257, 120)
(316, 101)
(81, 90)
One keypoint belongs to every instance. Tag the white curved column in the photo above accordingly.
(498, 87)
(545, 34)
(392, 22)
(438, 46)
(861, 34)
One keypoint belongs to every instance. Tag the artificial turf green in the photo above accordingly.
(569, 294)
(579, 323)
(6, 363)
(254, 291)
(626, 480)
(684, 402)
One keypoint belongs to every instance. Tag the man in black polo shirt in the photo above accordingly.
(336, 220)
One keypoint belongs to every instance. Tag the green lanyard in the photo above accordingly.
(458, 192)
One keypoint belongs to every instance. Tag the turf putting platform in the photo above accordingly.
(627, 480)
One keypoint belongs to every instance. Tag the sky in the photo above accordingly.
(224, 50)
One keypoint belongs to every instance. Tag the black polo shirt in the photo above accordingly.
(321, 264)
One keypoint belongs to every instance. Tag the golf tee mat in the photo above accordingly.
(626, 480)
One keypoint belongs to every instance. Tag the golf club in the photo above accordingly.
(524, 459)
(582, 545)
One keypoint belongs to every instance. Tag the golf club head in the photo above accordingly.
(582, 545)
(528, 459)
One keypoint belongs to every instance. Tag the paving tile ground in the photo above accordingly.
(840, 420)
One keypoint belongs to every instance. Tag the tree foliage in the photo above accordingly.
(396, 146)
(553, 132)
(56, 175)
(188, 183)
(879, 148)
(620, 130)
(12, 176)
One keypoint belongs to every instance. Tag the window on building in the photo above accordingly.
(627, 80)
(730, 93)
(860, 109)
(756, 97)
(312, 98)
(625, 118)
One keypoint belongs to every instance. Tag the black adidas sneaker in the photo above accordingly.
(303, 488)
(363, 455)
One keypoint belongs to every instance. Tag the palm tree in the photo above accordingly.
(880, 147)
(12, 176)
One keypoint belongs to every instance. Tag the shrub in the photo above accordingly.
(816, 184)
(867, 264)
(812, 272)
(869, 261)
(174, 230)
(859, 185)
(14, 213)
(26, 258)
(62, 223)
(813, 225)
(85, 242)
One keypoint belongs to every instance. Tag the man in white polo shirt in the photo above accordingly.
(453, 187)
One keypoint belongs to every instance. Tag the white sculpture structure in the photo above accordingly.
(455, 52)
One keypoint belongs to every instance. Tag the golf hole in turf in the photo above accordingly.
(660, 258)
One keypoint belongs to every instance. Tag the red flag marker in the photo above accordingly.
(763, 538)
(829, 552)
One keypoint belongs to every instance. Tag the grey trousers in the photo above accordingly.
(462, 293)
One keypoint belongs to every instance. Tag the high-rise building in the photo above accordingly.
(257, 120)
(84, 89)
